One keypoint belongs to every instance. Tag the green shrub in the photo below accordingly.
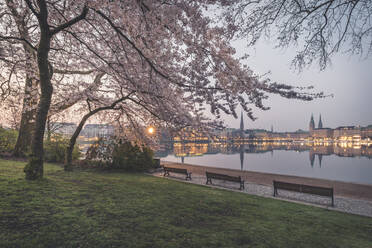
(131, 157)
(54, 150)
(113, 154)
(8, 139)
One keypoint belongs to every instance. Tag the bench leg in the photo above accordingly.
(241, 185)
(188, 176)
(333, 201)
(275, 191)
(209, 180)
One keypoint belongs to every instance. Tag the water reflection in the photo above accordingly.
(241, 151)
(184, 150)
(332, 161)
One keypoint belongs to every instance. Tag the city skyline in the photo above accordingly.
(243, 119)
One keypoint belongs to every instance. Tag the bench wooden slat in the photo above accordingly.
(223, 177)
(177, 170)
(287, 186)
(302, 188)
(217, 176)
(317, 190)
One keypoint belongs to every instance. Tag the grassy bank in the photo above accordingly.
(91, 209)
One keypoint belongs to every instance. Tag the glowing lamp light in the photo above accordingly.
(150, 130)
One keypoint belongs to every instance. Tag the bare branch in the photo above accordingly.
(71, 22)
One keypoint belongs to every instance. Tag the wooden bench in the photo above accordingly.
(176, 170)
(211, 175)
(314, 190)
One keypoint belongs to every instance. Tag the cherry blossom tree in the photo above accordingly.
(164, 60)
(10, 115)
(17, 55)
(19, 63)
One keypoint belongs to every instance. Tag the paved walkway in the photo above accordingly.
(350, 200)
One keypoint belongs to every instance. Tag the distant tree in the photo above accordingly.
(320, 27)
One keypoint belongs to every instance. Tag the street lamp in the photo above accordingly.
(151, 130)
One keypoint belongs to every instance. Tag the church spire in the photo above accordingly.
(312, 124)
(241, 122)
(320, 124)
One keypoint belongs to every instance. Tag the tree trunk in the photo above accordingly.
(27, 120)
(48, 129)
(34, 168)
(30, 92)
(24, 136)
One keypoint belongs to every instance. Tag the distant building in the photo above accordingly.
(98, 130)
(298, 135)
(320, 124)
(190, 134)
(64, 128)
(357, 135)
(260, 134)
(312, 123)
(366, 132)
(322, 133)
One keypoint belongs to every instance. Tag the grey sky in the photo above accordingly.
(348, 78)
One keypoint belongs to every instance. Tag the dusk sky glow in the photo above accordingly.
(348, 78)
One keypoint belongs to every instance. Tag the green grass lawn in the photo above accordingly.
(98, 209)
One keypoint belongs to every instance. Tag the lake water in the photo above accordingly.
(346, 162)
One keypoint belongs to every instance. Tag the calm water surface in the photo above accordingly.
(310, 162)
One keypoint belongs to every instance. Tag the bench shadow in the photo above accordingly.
(183, 178)
(308, 198)
(225, 185)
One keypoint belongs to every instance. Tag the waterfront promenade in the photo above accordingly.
(349, 197)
